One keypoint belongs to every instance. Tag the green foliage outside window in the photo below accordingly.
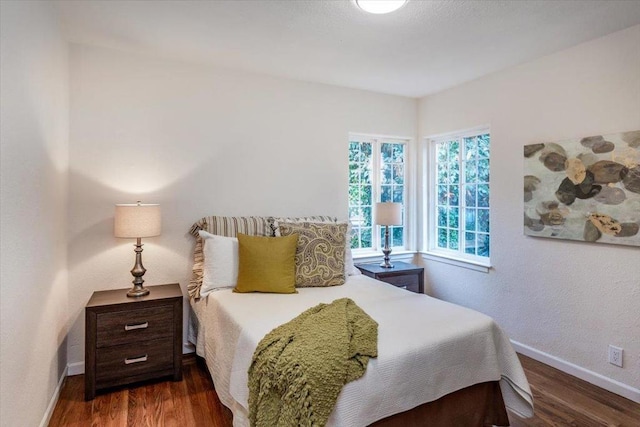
(388, 182)
(360, 193)
(462, 194)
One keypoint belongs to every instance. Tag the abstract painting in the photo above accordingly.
(585, 189)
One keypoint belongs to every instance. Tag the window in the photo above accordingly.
(377, 173)
(458, 207)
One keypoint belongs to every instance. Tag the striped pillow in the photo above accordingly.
(228, 226)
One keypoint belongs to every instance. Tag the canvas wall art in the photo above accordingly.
(586, 189)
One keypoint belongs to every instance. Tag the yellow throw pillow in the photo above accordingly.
(267, 264)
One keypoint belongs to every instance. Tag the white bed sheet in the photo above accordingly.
(427, 348)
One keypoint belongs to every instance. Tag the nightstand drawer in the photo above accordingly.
(402, 275)
(122, 327)
(129, 360)
(410, 283)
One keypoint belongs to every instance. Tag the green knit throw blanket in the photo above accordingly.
(299, 368)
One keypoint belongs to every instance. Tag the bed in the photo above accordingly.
(435, 359)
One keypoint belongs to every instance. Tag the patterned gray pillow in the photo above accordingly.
(320, 252)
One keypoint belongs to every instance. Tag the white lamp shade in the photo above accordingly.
(137, 220)
(388, 213)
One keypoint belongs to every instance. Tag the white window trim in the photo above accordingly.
(410, 194)
(471, 265)
(431, 251)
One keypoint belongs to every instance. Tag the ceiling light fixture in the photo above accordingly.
(380, 6)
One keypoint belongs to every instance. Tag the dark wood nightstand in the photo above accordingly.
(402, 275)
(132, 339)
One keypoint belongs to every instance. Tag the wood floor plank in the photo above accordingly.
(585, 396)
(117, 411)
(560, 400)
(137, 407)
(563, 400)
(201, 412)
(565, 396)
(153, 406)
(100, 410)
(180, 398)
(71, 409)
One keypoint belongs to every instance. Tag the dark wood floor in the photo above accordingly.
(190, 402)
(560, 400)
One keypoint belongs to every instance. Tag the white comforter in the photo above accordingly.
(427, 348)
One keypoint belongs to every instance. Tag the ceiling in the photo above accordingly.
(423, 48)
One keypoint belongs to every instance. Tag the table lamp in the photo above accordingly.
(137, 221)
(387, 214)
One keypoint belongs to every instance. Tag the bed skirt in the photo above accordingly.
(476, 406)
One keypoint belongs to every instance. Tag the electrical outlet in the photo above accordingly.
(615, 355)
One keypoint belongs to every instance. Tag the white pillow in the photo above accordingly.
(220, 267)
(349, 267)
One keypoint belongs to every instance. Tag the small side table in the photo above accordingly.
(402, 275)
(132, 339)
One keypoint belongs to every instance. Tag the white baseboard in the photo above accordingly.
(54, 399)
(76, 368)
(594, 378)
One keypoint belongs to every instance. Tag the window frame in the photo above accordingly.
(430, 233)
(408, 194)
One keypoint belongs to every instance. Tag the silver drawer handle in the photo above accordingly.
(138, 326)
(135, 360)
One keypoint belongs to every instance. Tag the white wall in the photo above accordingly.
(569, 300)
(33, 206)
(199, 141)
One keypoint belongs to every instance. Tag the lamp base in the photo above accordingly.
(386, 264)
(138, 271)
(137, 291)
(386, 250)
